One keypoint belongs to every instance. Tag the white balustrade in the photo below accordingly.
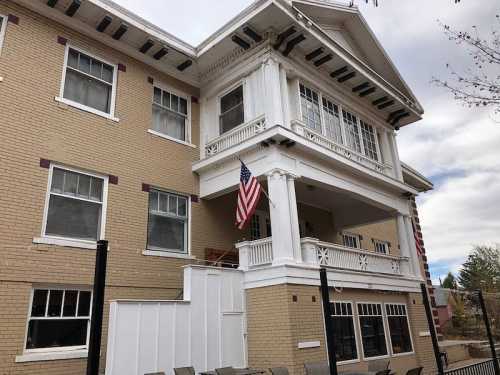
(342, 257)
(235, 136)
(255, 253)
(338, 148)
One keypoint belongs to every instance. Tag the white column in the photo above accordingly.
(294, 219)
(396, 163)
(385, 149)
(407, 243)
(272, 92)
(285, 100)
(282, 201)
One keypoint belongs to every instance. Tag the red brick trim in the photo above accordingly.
(113, 179)
(151, 80)
(13, 19)
(195, 198)
(122, 68)
(146, 187)
(62, 40)
(45, 163)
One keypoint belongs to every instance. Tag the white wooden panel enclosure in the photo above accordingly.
(205, 330)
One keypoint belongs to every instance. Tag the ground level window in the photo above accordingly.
(345, 337)
(399, 328)
(168, 222)
(372, 329)
(59, 318)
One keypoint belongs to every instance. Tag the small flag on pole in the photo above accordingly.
(418, 245)
(248, 196)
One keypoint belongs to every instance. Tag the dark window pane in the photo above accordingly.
(96, 69)
(68, 217)
(107, 73)
(73, 59)
(232, 118)
(166, 233)
(70, 182)
(174, 102)
(56, 333)
(400, 334)
(96, 189)
(84, 303)
(55, 303)
(183, 106)
(372, 332)
(87, 91)
(84, 186)
(57, 180)
(157, 95)
(39, 302)
(70, 298)
(231, 99)
(166, 99)
(345, 339)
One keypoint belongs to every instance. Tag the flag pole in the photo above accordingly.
(265, 193)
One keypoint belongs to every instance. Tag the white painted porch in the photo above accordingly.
(254, 254)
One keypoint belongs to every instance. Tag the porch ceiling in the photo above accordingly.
(349, 209)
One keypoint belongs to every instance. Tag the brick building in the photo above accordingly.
(113, 129)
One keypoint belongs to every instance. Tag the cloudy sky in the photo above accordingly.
(456, 147)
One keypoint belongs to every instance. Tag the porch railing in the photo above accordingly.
(255, 253)
(235, 136)
(338, 148)
(338, 256)
(483, 368)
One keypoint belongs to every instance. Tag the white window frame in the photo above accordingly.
(64, 349)
(354, 235)
(263, 216)
(66, 241)
(384, 325)
(389, 328)
(341, 107)
(226, 91)
(187, 239)
(3, 29)
(382, 243)
(188, 129)
(357, 333)
(62, 99)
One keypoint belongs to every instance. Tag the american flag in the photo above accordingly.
(417, 240)
(248, 196)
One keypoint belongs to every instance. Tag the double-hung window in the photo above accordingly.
(74, 207)
(369, 143)
(371, 324)
(58, 319)
(260, 225)
(345, 336)
(352, 132)
(89, 83)
(232, 112)
(168, 222)
(351, 240)
(309, 104)
(3, 27)
(333, 128)
(381, 247)
(170, 115)
(399, 329)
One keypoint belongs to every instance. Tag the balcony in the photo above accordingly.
(259, 253)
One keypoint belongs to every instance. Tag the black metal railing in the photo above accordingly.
(481, 368)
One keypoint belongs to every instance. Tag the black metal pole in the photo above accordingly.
(97, 308)
(488, 332)
(325, 297)
(432, 329)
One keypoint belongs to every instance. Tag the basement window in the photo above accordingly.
(399, 328)
(345, 336)
(59, 318)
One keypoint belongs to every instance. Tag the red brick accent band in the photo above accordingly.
(13, 19)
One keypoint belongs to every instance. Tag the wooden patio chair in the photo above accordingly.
(184, 371)
(317, 368)
(380, 365)
(279, 371)
(415, 371)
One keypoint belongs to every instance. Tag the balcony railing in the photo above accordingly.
(338, 148)
(338, 256)
(235, 136)
(257, 253)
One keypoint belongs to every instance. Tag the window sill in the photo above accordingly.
(167, 254)
(158, 134)
(65, 242)
(86, 108)
(52, 356)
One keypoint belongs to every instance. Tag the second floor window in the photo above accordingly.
(309, 104)
(168, 222)
(369, 142)
(3, 26)
(332, 121)
(75, 205)
(381, 247)
(89, 82)
(351, 240)
(170, 114)
(232, 111)
(352, 131)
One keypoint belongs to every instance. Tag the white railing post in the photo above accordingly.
(310, 250)
(243, 255)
